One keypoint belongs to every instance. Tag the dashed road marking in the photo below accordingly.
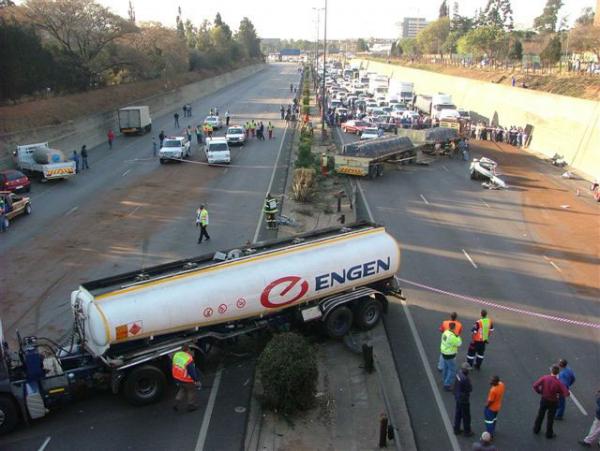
(554, 265)
(134, 210)
(43, 447)
(424, 200)
(485, 203)
(445, 168)
(470, 259)
(72, 210)
(126, 172)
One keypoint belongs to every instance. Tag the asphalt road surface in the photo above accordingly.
(125, 213)
(475, 243)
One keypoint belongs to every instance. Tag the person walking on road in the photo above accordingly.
(176, 119)
(480, 331)
(202, 222)
(188, 133)
(282, 112)
(567, 377)
(75, 158)
(550, 388)
(494, 404)
(443, 328)
(270, 130)
(84, 158)
(594, 434)
(154, 146)
(199, 134)
(111, 137)
(187, 377)
(484, 443)
(161, 137)
(462, 396)
(2, 215)
(270, 211)
(226, 118)
(449, 348)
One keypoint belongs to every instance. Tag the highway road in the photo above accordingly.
(464, 246)
(127, 212)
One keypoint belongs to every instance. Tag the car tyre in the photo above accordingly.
(162, 161)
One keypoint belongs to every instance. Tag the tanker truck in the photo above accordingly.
(126, 327)
(44, 161)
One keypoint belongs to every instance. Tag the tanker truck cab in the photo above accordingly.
(126, 329)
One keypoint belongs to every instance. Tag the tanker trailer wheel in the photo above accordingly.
(367, 314)
(339, 322)
(144, 385)
(9, 416)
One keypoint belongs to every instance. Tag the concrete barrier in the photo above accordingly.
(560, 124)
(91, 130)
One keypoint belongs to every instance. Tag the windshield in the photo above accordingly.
(217, 147)
(171, 143)
(445, 106)
(235, 131)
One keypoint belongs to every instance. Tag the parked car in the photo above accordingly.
(370, 133)
(14, 205)
(15, 181)
(354, 126)
(215, 121)
(174, 148)
(386, 123)
(235, 135)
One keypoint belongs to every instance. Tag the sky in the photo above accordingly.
(345, 18)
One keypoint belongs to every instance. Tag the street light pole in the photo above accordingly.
(323, 96)
(318, 10)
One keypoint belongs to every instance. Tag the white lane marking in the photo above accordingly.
(424, 200)
(434, 388)
(43, 447)
(445, 168)
(209, 410)
(126, 172)
(578, 404)
(552, 263)
(72, 210)
(470, 259)
(362, 193)
(275, 166)
(134, 210)
(484, 203)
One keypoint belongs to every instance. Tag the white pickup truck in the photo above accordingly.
(42, 160)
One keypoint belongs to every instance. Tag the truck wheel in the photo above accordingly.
(339, 322)
(379, 170)
(9, 416)
(144, 385)
(473, 175)
(162, 161)
(28, 209)
(367, 314)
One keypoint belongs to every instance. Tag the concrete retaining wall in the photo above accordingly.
(564, 125)
(91, 130)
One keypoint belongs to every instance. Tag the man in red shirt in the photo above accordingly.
(550, 388)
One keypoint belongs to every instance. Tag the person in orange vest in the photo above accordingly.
(187, 377)
(494, 404)
(481, 331)
(443, 328)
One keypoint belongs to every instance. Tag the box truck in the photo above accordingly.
(135, 120)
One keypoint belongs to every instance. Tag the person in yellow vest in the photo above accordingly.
(187, 377)
(480, 331)
(210, 130)
(202, 222)
(253, 128)
(449, 348)
(270, 130)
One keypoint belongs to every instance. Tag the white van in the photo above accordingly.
(217, 151)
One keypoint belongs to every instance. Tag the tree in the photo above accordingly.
(409, 47)
(585, 38)
(179, 24)
(515, 51)
(547, 21)
(361, 45)
(552, 52)
(497, 13)
(444, 10)
(6, 3)
(82, 32)
(487, 41)
(218, 21)
(586, 17)
(248, 40)
(431, 38)
(131, 12)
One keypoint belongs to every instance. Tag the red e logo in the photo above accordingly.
(283, 291)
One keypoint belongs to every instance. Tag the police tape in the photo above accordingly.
(502, 307)
(217, 165)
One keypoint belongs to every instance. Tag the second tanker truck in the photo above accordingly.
(127, 326)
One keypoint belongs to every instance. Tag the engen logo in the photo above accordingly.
(283, 291)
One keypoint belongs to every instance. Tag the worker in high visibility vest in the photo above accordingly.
(443, 328)
(481, 331)
(449, 348)
(270, 210)
(187, 377)
(202, 222)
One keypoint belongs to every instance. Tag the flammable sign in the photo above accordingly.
(129, 330)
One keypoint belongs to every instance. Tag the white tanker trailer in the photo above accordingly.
(126, 326)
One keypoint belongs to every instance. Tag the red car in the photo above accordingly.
(14, 181)
(353, 126)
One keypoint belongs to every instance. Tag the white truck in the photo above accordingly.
(135, 120)
(40, 159)
(378, 86)
(433, 105)
(401, 91)
(127, 326)
(217, 151)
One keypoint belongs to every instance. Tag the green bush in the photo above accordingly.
(289, 373)
(305, 101)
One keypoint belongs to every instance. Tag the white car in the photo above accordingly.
(370, 133)
(236, 134)
(215, 121)
(370, 106)
(217, 151)
(485, 169)
(174, 148)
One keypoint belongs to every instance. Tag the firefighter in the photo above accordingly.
(270, 210)
(187, 377)
(481, 331)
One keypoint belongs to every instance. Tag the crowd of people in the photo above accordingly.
(513, 135)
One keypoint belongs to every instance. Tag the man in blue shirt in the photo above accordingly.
(567, 377)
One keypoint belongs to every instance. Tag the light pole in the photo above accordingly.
(323, 96)
(318, 11)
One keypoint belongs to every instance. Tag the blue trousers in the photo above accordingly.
(449, 371)
(490, 420)
(560, 411)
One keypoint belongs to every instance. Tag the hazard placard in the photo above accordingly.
(129, 330)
